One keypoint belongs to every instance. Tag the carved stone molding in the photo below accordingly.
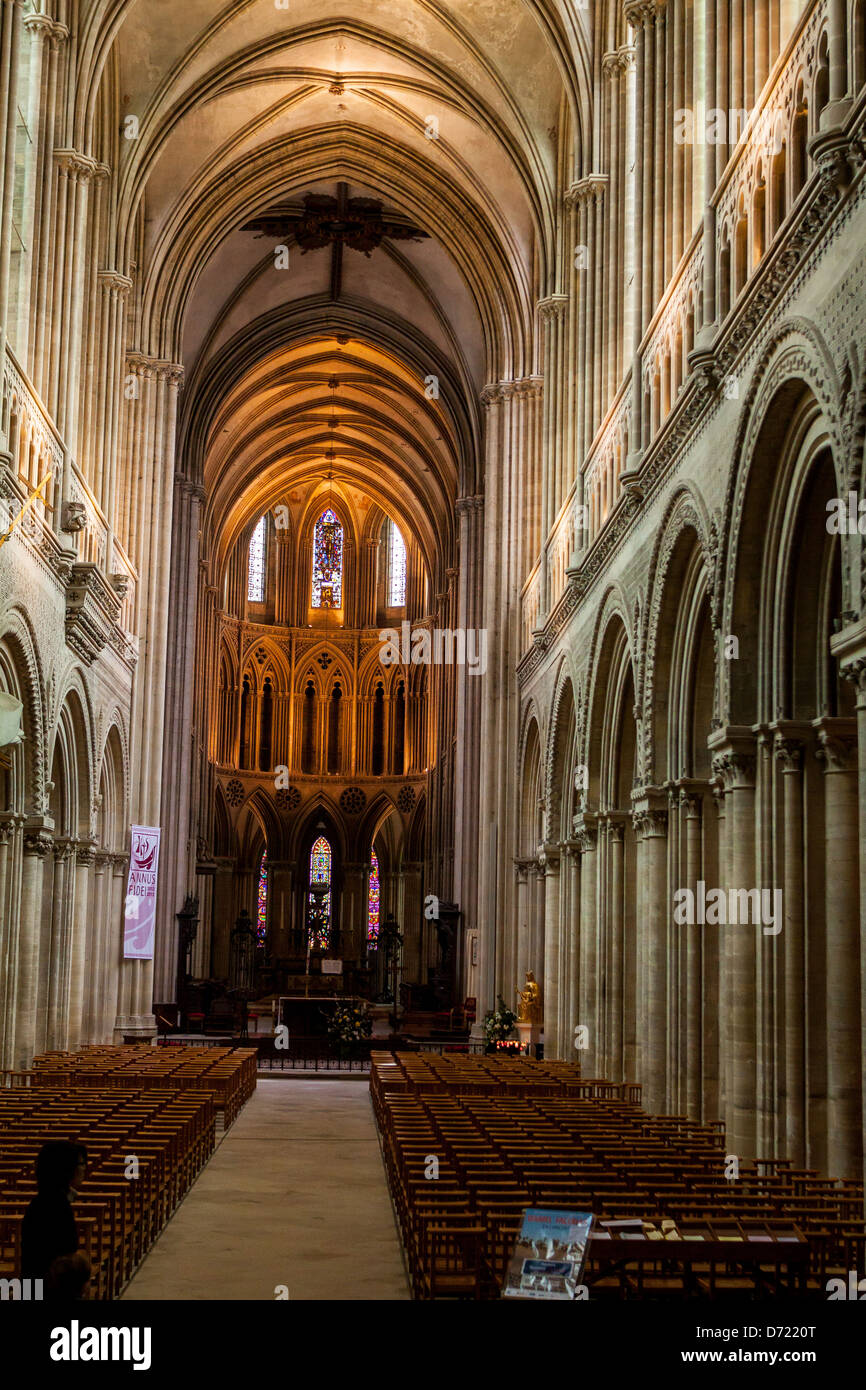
(527, 387)
(849, 648)
(92, 612)
(73, 518)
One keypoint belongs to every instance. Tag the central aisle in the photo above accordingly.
(295, 1194)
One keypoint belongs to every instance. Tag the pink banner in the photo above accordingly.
(139, 917)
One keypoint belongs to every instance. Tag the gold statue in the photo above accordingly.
(529, 1009)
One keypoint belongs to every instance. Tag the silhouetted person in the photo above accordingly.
(49, 1237)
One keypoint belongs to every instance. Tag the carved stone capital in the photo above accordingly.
(639, 13)
(618, 60)
(734, 756)
(78, 168)
(689, 795)
(552, 307)
(837, 744)
(829, 149)
(39, 25)
(849, 648)
(521, 869)
(38, 843)
(114, 284)
(788, 738)
(585, 190)
(585, 825)
(548, 857)
(649, 823)
(155, 368)
(526, 387)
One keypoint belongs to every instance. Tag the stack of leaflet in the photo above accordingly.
(549, 1255)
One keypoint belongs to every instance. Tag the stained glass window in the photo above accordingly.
(373, 902)
(328, 562)
(256, 570)
(319, 904)
(262, 909)
(396, 568)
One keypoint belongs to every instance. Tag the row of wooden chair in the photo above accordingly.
(145, 1149)
(228, 1073)
(465, 1159)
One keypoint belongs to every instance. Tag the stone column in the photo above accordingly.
(284, 577)
(177, 849)
(789, 753)
(549, 861)
(849, 647)
(38, 843)
(552, 313)
(709, 223)
(152, 423)
(114, 944)
(690, 805)
(61, 918)
(280, 876)
(839, 105)
(413, 916)
(838, 752)
(10, 49)
(569, 965)
(93, 982)
(521, 874)
(651, 825)
(223, 916)
(638, 14)
(586, 835)
(84, 856)
(616, 822)
(510, 446)
(353, 905)
(470, 692)
(734, 760)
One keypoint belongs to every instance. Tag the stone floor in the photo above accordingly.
(294, 1195)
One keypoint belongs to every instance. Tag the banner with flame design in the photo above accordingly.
(139, 917)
